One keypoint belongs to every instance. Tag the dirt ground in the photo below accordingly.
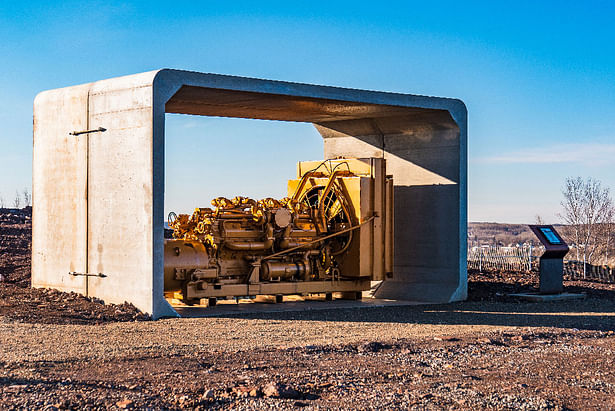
(19, 302)
(64, 351)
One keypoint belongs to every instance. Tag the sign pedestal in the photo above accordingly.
(551, 267)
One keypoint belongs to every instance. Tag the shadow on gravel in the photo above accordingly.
(518, 315)
(488, 304)
(499, 290)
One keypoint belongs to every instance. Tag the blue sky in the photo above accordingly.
(538, 79)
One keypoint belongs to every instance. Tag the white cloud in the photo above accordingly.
(591, 154)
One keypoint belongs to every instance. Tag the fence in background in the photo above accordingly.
(501, 258)
(526, 259)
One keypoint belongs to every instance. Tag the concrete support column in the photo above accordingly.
(426, 156)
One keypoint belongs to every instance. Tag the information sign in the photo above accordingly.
(552, 261)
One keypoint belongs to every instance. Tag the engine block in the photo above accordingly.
(333, 233)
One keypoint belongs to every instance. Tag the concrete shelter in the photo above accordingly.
(98, 176)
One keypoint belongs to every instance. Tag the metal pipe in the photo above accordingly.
(287, 241)
(319, 239)
(252, 245)
(322, 219)
(275, 269)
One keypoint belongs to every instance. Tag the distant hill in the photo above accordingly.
(499, 234)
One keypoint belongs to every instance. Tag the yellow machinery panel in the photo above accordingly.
(333, 233)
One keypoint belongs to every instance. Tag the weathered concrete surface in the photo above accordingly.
(98, 198)
(425, 153)
(59, 191)
(547, 298)
(93, 193)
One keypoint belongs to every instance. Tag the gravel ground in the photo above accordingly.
(64, 351)
(469, 355)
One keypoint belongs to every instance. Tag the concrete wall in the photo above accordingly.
(98, 198)
(93, 193)
(59, 189)
(423, 155)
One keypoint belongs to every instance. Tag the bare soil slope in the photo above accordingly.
(21, 303)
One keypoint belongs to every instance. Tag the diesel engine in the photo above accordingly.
(333, 233)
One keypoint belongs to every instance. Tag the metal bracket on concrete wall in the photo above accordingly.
(98, 130)
(75, 274)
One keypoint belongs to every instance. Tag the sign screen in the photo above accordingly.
(550, 235)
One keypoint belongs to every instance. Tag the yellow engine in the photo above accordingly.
(333, 233)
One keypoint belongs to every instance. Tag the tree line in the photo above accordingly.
(21, 200)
